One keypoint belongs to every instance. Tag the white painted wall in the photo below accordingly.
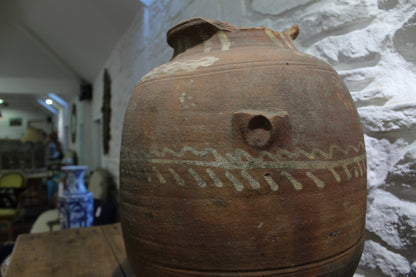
(37, 116)
(369, 42)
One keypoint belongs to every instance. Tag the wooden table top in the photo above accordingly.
(93, 251)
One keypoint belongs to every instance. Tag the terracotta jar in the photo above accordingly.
(242, 157)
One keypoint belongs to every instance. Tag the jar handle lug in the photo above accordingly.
(293, 31)
(260, 129)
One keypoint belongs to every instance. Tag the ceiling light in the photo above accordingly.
(1, 101)
(49, 101)
(58, 100)
(48, 107)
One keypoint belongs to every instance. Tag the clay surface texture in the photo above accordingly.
(242, 157)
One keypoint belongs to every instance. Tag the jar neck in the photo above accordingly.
(204, 35)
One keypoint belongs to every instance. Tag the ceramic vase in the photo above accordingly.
(76, 204)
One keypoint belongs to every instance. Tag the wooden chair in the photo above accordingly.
(12, 184)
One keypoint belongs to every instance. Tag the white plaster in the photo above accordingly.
(382, 261)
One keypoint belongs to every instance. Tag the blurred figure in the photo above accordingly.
(54, 157)
(54, 148)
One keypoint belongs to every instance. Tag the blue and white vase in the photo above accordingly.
(76, 204)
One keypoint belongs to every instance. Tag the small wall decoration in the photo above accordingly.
(15, 121)
(106, 110)
(74, 123)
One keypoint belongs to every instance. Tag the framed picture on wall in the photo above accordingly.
(15, 121)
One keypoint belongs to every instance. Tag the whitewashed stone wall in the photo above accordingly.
(372, 44)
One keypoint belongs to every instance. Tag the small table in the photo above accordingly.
(94, 251)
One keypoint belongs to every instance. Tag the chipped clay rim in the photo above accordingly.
(220, 26)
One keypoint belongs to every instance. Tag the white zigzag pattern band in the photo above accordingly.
(243, 161)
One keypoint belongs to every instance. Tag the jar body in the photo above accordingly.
(242, 158)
